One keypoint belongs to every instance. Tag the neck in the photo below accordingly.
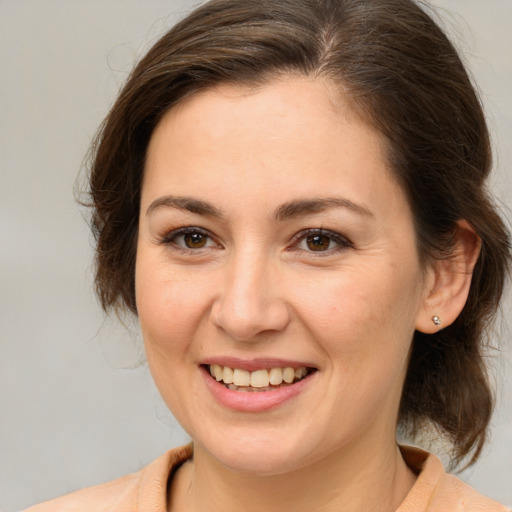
(365, 478)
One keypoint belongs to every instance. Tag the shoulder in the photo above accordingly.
(144, 490)
(120, 492)
(452, 494)
(437, 491)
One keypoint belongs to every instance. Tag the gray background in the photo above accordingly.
(75, 407)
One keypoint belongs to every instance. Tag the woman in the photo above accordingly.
(290, 195)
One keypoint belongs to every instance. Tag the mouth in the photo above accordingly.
(264, 379)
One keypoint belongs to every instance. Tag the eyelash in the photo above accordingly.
(342, 243)
(170, 238)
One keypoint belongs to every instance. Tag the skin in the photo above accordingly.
(257, 290)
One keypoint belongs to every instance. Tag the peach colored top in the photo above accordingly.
(146, 491)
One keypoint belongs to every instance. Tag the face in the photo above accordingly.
(276, 252)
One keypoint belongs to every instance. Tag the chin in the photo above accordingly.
(266, 455)
(257, 463)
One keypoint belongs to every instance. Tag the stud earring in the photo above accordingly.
(436, 319)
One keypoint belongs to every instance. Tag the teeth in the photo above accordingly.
(236, 378)
(276, 376)
(227, 375)
(288, 375)
(241, 377)
(300, 372)
(260, 379)
(217, 372)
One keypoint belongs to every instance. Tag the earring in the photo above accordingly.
(436, 319)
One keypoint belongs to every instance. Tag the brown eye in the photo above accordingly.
(189, 238)
(195, 240)
(318, 242)
(321, 241)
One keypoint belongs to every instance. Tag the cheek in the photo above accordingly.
(364, 324)
(170, 309)
(170, 305)
(363, 315)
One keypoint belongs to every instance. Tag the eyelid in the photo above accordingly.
(169, 237)
(342, 241)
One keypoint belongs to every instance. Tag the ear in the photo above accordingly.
(448, 281)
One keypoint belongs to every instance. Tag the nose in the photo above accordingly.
(250, 300)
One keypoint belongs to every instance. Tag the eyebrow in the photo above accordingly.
(303, 207)
(286, 211)
(185, 203)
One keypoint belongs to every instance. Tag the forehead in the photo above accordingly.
(298, 134)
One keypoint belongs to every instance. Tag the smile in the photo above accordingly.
(263, 379)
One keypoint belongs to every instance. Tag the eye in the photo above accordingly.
(191, 238)
(319, 240)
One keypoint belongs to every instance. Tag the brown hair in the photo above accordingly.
(404, 77)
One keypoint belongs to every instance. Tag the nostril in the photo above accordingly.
(248, 301)
(250, 321)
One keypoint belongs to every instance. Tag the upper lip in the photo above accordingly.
(260, 363)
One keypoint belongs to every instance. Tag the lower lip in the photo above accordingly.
(253, 401)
